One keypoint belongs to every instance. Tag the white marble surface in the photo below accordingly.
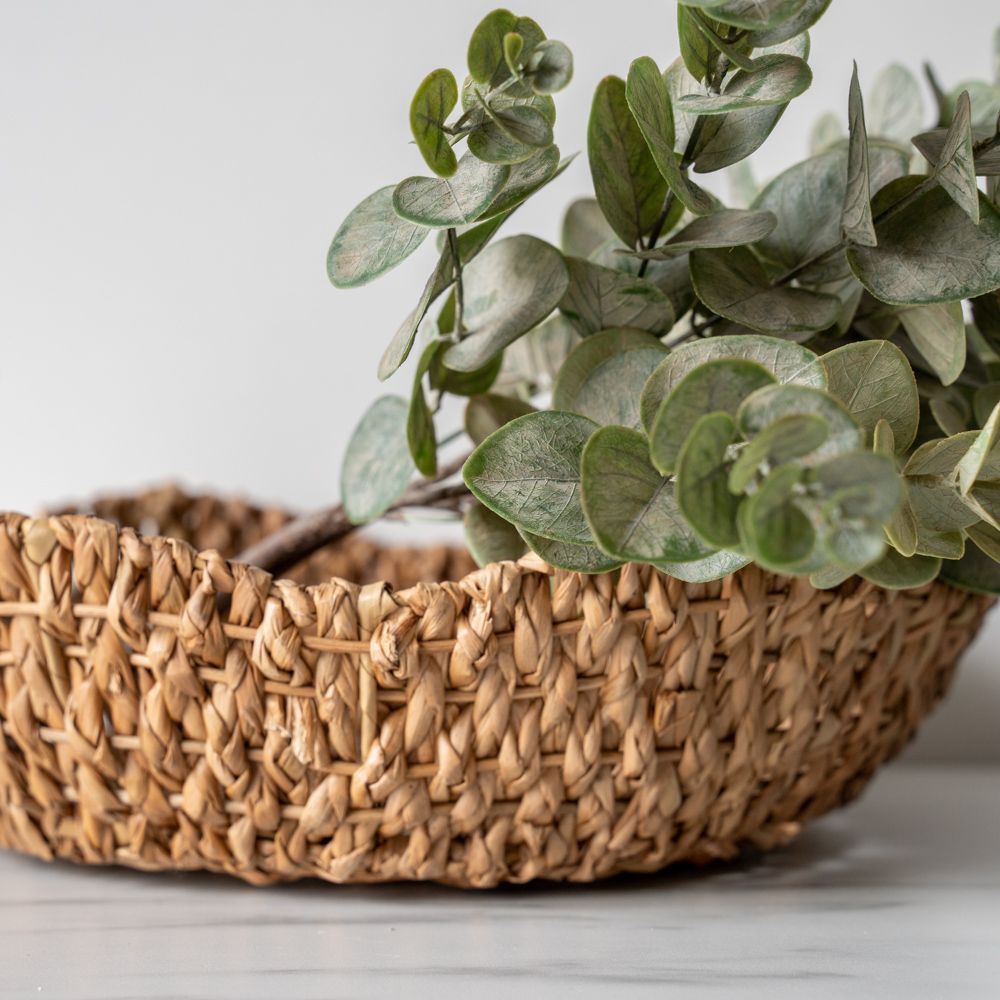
(898, 896)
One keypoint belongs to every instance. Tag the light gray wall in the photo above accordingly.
(171, 174)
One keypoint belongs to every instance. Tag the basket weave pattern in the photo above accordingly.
(166, 708)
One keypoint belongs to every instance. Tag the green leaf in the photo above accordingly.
(895, 107)
(434, 100)
(462, 383)
(985, 399)
(510, 136)
(874, 381)
(528, 472)
(788, 438)
(628, 185)
(856, 217)
(474, 99)
(986, 538)
(727, 227)
(786, 361)
(598, 298)
(970, 466)
(488, 412)
(680, 83)
(570, 556)
(703, 480)
(699, 55)
(986, 162)
(829, 577)
(630, 507)
(753, 14)
(535, 358)
(549, 68)
(486, 55)
(771, 403)
(371, 241)
(929, 250)
(440, 202)
(774, 531)
(955, 170)
(420, 434)
(490, 538)
(808, 14)
(775, 79)
(712, 387)
(604, 374)
(525, 178)
(937, 331)
(513, 45)
(649, 101)
(734, 284)
(713, 567)
(377, 465)
(584, 228)
(509, 288)
(896, 572)
(975, 571)
(807, 200)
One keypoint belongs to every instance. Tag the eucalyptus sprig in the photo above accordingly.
(790, 381)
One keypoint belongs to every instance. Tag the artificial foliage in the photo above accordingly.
(806, 377)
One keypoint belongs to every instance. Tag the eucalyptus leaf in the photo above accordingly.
(571, 556)
(856, 217)
(549, 68)
(754, 14)
(971, 464)
(985, 163)
(420, 434)
(486, 54)
(703, 480)
(471, 383)
(584, 228)
(377, 465)
(434, 100)
(775, 79)
(896, 572)
(954, 169)
(984, 401)
(535, 358)
(598, 298)
(773, 529)
(649, 101)
(488, 412)
(630, 507)
(937, 331)
(476, 97)
(509, 288)
(510, 136)
(712, 387)
(986, 539)
(806, 16)
(713, 567)
(489, 537)
(826, 133)
(699, 55)
(785, 440)
(371, 241)
(975, 571)
(528, 472)
(525, 178)
(788, 363)
(734, 284)
(628, 185)
(440, 202)
(895, 106)
(603, 376)
(727, 227)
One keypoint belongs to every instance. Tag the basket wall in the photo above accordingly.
(169, 709)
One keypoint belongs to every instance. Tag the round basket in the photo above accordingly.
(165, 708)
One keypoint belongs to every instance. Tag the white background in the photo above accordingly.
(170, 178)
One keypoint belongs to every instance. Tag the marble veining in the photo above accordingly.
(898, 896)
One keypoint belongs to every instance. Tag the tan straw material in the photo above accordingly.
(165, 708)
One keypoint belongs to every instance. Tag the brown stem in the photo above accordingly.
(299, 538)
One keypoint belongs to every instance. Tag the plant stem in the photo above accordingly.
(459, 289)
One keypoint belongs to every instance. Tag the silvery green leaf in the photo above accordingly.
(549, 68)
(461, 383)
(931, 251)
(932, 146)
(702, 486)
(727, 227)
(864, 486)
(377, 465)
(699, 55)
(937, 331)
(742, 182)
(788, 362)
(826, 133)
(420, 434)
(985, 399)
(951, 412)
(489, 412)
(489, 537)
(970, 466)
(856, 217)
(511, 136)
(584, 228)
(984, 500)
(604, 374)
(874, 381)
(509, 288)
(630, 507)
(757, 15)
(955, 170)
(771, 403)
(526, 178)
(807, 15)
(371, 241)
(570, 556)
(440, 202)
(485, 56)
(628, 185)
(598, 298)
(434, 100)
(715, 386)
(713, 567)
(985, 102)
(775, 79)
(807, 200)
(774, 531)
(649, 101)
(787, 439)
(513, 46)
(474, 97)
(986, 538)
(528, 472)
(895, 106)
(975, 571)
(829, 577)
(896, 572)
(735, 285)
(537, 357)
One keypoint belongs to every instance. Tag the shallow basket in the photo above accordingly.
(165, 708)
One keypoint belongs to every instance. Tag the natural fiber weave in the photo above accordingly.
(168, 709)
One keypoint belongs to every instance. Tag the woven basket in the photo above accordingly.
(164, 708)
